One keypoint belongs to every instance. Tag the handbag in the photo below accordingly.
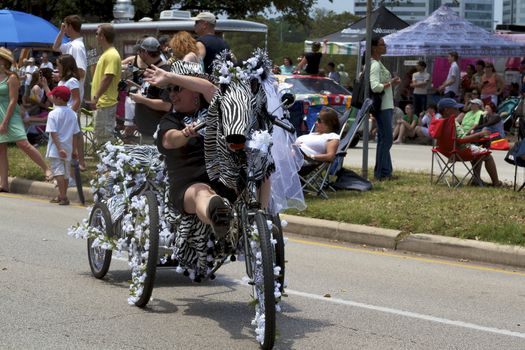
(358, 93)
(377, 100)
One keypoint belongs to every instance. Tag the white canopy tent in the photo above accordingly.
(444, 31)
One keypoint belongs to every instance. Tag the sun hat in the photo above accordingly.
(61, 92)
(476, 101)
(150, 44)
(206, 17)
(448, 103)
(192, 69)
(7, 55)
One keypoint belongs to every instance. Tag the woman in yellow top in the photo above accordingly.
(381, 81)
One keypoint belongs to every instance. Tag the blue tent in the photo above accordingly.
(20, 29)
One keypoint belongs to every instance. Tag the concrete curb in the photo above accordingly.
(45, 189)
(419, 243)
(358, 234)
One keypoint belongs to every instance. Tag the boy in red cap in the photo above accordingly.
(61, 126)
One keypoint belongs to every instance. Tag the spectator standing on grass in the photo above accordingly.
(30, 69)
(344, 77)
(311, 60)
(287, 67)
(420, 84)
(62, 126)
(381, 81)
(476, 78)
(165, 50)
(104, 87)
(71, 27)
(45, 62)
(332, 73)
(208, 42)
(149, 106)
(492, 84)
(11, 125)
(450, 87)
(69, 77)
(467, 81)
(184, 48)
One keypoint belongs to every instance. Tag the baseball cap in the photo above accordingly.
(477, 101)
(150, 44)
(61, 92)
(448, 103)
(206, 17)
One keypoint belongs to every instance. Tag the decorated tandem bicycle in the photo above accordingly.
(132, 213)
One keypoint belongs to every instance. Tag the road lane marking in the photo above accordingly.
(408, 314)
(382, 309)
(398, 255)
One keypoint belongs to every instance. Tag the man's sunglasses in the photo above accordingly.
(174, 88)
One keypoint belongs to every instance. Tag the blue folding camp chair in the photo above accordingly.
(317, 179)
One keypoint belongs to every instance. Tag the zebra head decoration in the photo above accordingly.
(233, 116)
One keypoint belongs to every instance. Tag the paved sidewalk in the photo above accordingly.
(418, 158)
(358, 234)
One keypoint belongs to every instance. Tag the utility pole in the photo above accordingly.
(364, 170)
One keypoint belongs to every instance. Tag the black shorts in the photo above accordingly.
(178, 190)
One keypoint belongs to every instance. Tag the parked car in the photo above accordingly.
(312, 93)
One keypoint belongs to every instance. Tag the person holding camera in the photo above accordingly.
(149, 105)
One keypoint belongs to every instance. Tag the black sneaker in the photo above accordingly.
(220, 214)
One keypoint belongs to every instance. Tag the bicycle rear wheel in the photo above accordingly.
(147, 253)
(98, 257)
(264, 283)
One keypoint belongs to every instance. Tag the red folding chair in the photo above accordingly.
(448, 151)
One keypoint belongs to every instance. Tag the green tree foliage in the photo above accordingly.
(101, 10)
(286, 34)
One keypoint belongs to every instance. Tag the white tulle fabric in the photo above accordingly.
(286, 185)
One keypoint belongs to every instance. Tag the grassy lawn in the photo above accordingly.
(410, 204)
(20, 165)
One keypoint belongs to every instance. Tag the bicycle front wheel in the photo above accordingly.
(147, 251)
(264, 283)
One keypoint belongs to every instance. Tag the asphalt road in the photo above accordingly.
(410, 157)
(339, 297)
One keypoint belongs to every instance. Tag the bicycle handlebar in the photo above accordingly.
(281, 124)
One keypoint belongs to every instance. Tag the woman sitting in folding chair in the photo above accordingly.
(320, 145)
(449, 108)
